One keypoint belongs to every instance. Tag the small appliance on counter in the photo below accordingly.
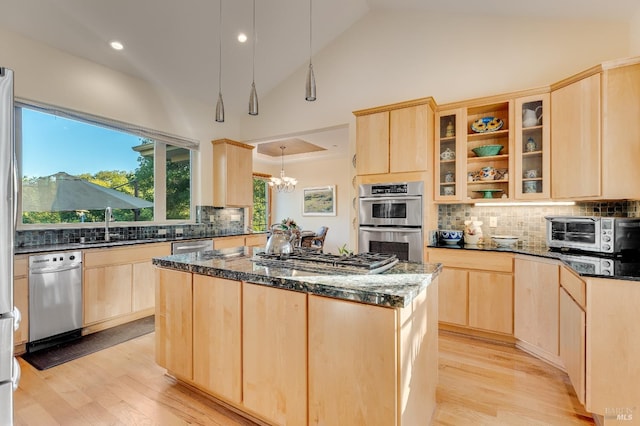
(614, 236)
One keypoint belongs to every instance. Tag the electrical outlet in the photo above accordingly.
(212, 218)
(235, 217)
(179, 231)
(493, 222)
(162, 232)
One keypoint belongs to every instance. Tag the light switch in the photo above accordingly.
(493, 222)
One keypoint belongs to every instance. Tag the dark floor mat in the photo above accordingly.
(47, 358)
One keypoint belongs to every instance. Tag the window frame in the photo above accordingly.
(161, 140)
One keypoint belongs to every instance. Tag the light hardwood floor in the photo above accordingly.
(480, 384)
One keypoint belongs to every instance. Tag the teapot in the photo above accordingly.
(280, 243)
(531, 117)
(473, 232)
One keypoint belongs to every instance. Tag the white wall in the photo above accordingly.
(319, 173)
(388, 57)
(635, 35)
(55, 77)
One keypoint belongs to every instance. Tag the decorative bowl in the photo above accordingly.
(487, 124)
(487, 150)
(504, 240)
(451, 236)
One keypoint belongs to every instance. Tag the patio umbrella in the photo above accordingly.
(64, 192)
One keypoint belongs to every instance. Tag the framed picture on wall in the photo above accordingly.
(319, 201)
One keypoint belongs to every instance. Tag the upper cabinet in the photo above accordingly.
(394, 138)
(232, 174)
(595, 142)
(449, 172)
(488, 150)
(532, 147)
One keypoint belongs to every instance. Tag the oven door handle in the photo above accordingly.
(390, 229)
(398, 198)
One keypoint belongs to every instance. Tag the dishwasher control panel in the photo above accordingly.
(55, 260)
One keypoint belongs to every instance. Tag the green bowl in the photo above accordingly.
(487, 150)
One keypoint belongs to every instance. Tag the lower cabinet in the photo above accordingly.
(475, 289)
(118, 282)
(174, 322)
(491, 301)
(106, 292)
(288, 358)
(274, 361)
(21, 298)
(536, 305)
(453, 296)
(572, 342)
(217, 336)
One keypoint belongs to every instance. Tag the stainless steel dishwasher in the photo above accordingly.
(55, 298)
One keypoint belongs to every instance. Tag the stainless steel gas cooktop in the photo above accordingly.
(309, 260)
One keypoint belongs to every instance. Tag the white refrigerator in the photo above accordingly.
(9, 316)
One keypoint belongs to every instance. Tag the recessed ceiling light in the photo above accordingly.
(116, 45)
(242, 37)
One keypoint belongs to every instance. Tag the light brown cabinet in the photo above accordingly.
(118, 283)
(453, 296)
(21, 297)
(590, 116)
(532, 147)
(289, 358)
(390, 355)
(449, 170)
(536, 305)
(174, 322)
(232, 174)
(484, 280)
(491, 301)
(274, 355)
(217, 336)
(394, 138)
(572, 348)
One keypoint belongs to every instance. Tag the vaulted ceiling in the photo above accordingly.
(175, 44)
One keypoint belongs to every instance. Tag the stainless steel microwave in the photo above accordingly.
(607, 235)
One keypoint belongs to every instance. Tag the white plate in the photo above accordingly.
(504, 240)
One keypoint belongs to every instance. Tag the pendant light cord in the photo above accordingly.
(310, 29)
(220, 49)
(253, 74)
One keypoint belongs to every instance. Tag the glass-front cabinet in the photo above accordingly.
(532, 147)
(449, 173)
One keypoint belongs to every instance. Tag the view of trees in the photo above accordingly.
(138, 183)
(260, 204)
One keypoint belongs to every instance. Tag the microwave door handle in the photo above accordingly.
(399, 198)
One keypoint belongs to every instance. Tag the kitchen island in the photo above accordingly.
(287, 346)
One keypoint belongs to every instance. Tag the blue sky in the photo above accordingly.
(53, 144)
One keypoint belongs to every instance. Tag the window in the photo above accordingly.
(74, 165)
(261, 203)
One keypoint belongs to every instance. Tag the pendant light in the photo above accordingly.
(220, 104)
(253, 97)
(283, 183)
(310, 88)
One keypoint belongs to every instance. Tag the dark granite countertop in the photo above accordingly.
(114, 243)
(584, 264)
(395, 288)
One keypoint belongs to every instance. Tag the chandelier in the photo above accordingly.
(283, 183)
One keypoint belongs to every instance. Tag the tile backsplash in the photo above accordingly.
(210, 222)
(528, 223)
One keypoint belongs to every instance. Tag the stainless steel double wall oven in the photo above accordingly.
(390, 217)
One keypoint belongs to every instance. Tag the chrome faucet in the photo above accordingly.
(107, 218)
